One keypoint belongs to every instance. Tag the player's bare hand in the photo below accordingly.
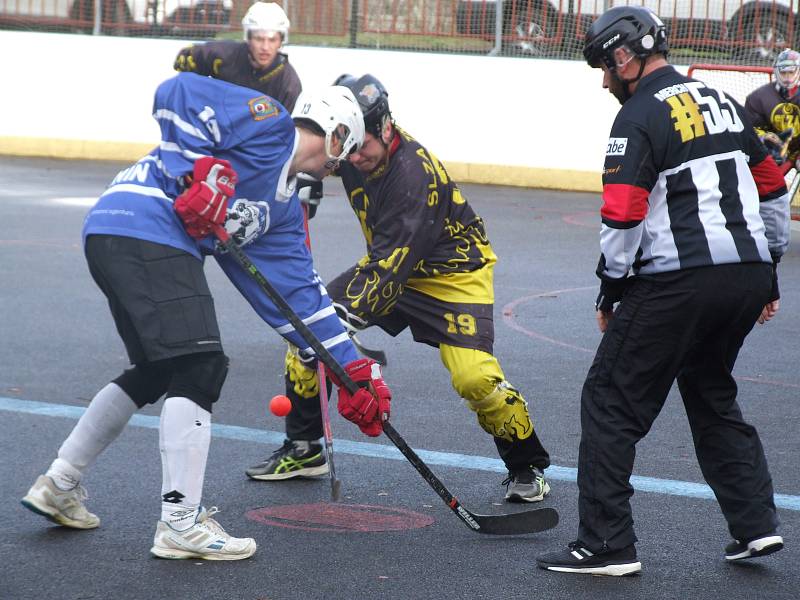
(769, 311)
(603, 318)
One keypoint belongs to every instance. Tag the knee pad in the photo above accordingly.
(503, 413)
(145, 383)
(301, 377)
(473, 373)
(199, 377)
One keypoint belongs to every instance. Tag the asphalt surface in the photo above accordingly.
(391, 536)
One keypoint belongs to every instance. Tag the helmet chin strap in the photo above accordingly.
(626, 82)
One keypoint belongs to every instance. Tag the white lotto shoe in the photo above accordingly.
(62, 507)
(205, 539)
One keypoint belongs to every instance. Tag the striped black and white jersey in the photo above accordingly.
(687, 183)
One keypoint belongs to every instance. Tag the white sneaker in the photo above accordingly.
(205, 539)
(62, 507)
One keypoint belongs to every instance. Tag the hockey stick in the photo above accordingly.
(336, 485)
(379, 356)
(530, 521)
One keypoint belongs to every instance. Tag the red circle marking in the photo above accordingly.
(323, 516)
(510, 319)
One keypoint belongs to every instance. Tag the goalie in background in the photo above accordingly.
(774, 109)
(257, 62)
(428, 267)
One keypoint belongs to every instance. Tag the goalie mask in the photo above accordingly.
(787, 74)
(372, 98)
(335, 113)
(636, 28)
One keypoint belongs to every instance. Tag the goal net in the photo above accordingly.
(738, 81)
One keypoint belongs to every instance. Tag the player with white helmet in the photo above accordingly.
(228, 158)
(268, 17)
(257, 62)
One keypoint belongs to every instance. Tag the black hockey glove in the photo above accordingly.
(775, 294)
(611, 292)
(309, 190)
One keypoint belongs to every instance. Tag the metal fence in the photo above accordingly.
(738, 31)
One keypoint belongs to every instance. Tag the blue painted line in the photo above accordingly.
(669, 487)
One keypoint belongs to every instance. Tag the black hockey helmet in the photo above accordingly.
(636, 27)
(373, 99)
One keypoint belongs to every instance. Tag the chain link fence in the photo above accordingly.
(724, 31)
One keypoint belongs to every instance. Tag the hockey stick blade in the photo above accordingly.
(531, 521)
(509, 524)
(379, 356)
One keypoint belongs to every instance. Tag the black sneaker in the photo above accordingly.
(526, 485)
(578, 559)
(296, 458)
(758, 546)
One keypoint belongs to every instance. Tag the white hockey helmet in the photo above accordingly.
(265, 16)
(787, 73)
(335, 111)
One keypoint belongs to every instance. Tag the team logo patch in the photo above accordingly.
(370, 92)
(616, 146)
(262, 108)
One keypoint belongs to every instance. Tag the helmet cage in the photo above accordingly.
(787, 72)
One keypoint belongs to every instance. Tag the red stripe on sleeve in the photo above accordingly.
(768, 176)
(624, 203)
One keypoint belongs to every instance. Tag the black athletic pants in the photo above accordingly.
(687, 325)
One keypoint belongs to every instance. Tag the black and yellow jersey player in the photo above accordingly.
(429, 267)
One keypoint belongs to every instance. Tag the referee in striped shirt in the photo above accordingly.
(695, 218)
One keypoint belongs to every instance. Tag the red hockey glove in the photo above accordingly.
(370, 406)
(204, 205)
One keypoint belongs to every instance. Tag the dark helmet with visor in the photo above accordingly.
(372, 98)
(637, 28)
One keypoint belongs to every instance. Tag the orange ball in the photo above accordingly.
(280, 405)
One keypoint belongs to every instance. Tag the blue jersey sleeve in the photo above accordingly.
(201, 116)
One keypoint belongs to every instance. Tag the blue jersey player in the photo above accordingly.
(228, 157)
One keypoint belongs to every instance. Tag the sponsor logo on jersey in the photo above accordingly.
(612, 170)
(616, 146)
(262, 108)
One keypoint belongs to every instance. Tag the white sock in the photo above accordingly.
(104, 419)
(184, 439)
(178, 516)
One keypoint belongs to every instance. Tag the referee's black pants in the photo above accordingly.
(687, 325)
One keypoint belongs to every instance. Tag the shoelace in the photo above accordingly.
(211, 523)
(513, 477)
(81, 492)
(76, 498)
